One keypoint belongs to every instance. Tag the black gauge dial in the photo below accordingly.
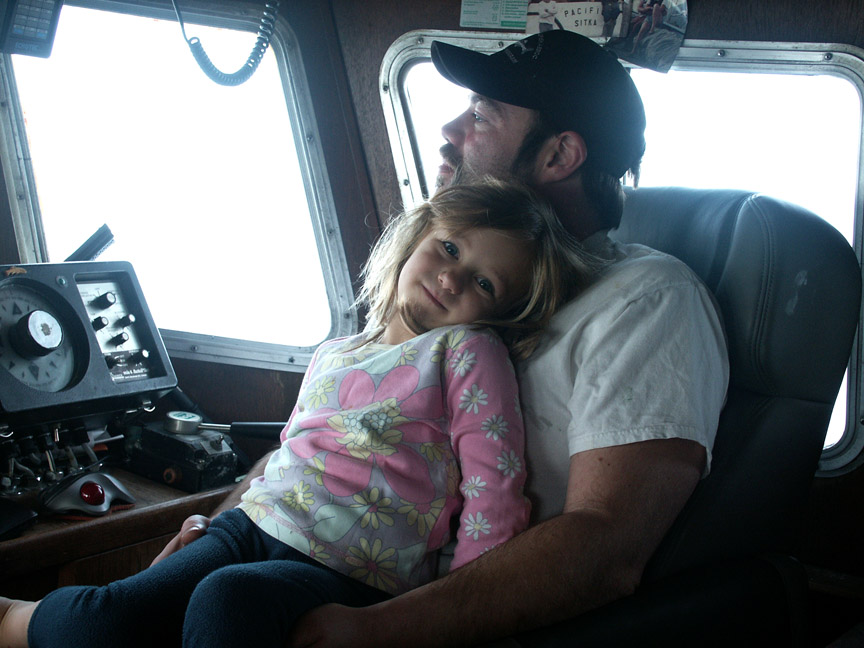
(34, 347)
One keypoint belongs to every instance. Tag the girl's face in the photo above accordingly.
(458, 279)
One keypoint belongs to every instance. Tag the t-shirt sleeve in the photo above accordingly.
(658, 370)
(488, 439)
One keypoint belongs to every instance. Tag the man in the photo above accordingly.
(621, 401)
(611, 11)
(548, 9)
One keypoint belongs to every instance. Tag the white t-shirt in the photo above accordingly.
(640, 354)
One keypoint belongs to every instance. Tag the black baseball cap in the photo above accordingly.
(576, 84)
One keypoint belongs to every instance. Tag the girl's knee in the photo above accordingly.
(225, 589)
(231, 609)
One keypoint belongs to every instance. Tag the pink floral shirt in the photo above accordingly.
(386, 444)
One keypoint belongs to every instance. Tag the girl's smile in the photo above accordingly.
(459, 278)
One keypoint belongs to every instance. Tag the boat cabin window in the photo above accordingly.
(774, 118)
(216, 194)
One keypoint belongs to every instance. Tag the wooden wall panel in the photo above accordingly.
(366, 30)
(822, 21)
(228, 394)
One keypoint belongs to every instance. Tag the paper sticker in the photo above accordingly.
(648, 33)
(493, 14)
(583, 17)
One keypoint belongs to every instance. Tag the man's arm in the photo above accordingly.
(620, 503)
(195, 526)
(234, 498)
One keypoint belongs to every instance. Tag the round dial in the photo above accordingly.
(33, 346)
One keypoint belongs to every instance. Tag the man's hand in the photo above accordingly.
(620, 502)
(193, 528)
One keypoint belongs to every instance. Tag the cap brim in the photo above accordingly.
(486, 75)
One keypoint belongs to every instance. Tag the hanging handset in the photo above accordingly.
(29, 26)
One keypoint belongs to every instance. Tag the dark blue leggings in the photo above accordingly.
(235, 587)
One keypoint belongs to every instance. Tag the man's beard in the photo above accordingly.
(463, 172)
(450, 156)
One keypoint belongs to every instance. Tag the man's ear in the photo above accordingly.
(560, 157)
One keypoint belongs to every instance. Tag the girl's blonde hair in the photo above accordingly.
(559, 265)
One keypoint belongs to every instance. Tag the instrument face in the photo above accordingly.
(34, 347)
(77, 341)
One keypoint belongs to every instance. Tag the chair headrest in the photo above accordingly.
(781, 275)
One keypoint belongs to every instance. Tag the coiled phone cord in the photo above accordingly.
(265, 31)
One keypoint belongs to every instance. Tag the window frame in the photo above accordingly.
(26, 215)
(845, 61)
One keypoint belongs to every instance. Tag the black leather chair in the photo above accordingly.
(788, 286)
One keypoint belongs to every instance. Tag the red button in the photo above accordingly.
(92, 493)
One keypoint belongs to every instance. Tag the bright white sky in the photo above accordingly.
(787, 136)
(199, 183)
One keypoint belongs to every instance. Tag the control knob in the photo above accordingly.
(36, 334)
(99, 323)
(139, 357)
(105, 300)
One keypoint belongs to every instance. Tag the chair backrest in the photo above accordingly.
(788, 286)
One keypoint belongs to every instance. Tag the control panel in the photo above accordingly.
(78, 349)
(113, 320)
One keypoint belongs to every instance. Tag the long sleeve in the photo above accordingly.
(487, 435)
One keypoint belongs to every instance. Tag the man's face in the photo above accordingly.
(484, 140)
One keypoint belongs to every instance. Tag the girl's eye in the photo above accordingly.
(486, 285)
(477, 117)
(450, 249)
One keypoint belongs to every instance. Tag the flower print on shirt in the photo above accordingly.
(378, 509)
(432, 451)
(375, 565)
(462, 362)
(495, 427)
(253, 503)
(399, 446)
(317, 551)
(473, 487)
(315, 471)
(446, 343)
(407, 355)
(318, 392)
(510, 464)
(366, 431)
(348, 355)
(423, 515)
(299, 497)
(471, 401)
(371, 430)
(475, 524)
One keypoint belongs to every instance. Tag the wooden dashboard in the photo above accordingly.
(56, 552)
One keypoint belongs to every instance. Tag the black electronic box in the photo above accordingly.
(182, 453)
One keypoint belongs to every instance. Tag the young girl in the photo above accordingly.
(397, 431)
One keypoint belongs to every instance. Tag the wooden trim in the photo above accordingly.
(54, 542)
